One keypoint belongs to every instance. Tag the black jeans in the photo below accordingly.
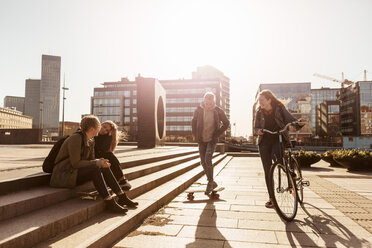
(206, 150)
(269, 151)
(99, 176)
(115, 164)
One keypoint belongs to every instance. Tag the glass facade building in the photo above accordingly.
(318, 96)
(328, 119)
(356, 109)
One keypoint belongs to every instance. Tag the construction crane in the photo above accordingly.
(343, 81)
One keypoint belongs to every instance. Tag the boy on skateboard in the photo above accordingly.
(206, 128)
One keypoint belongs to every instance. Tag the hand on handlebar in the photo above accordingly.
(301, 122)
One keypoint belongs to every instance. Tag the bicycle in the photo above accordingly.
(286, 194)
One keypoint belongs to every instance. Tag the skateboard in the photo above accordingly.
(212, 195)
(88, 195)
(93, 194)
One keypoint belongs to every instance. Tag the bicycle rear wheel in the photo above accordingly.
(297, 178)
(283, 192)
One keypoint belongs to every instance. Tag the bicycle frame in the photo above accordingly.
(282, 148)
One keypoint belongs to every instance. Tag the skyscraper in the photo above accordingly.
(49, 92)
(32, 101)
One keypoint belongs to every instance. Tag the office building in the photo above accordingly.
(356, 115)
(15, 102)
(117, 101)
(328, 119)
(14, 119)
(49, 93)
(184, 95)
(42, 96)
(318, 96)
(32, 101)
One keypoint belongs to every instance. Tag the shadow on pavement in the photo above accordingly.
(315, 169)
(326, 230)
(211, 229)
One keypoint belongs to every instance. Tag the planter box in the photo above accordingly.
(355, 163)
(332, 162)
(307, 161)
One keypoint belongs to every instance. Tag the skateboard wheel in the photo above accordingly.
(190, 197)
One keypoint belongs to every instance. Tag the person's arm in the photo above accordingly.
(257, 128)
(194, 122)
(74, 151)
(225, 122)
(288, 117)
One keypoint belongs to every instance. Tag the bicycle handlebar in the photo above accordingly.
(280, 131)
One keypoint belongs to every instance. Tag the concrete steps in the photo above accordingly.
(25, 201)
(106, 229)
(25, 177)
(32, 216)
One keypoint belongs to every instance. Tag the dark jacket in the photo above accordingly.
(102, 144)
(72, 156)
(198, 122)
(281, 116)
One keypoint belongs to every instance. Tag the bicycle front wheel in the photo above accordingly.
(297, 178)
(283, 192)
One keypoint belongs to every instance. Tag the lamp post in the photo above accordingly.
(41, 119)
(41, 115)
(63, 106)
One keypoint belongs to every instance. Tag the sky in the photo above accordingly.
(251, 42)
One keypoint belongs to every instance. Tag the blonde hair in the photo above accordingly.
(114, 134)
(89, 121)
(209, 94)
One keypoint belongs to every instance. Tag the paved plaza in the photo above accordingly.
(337, 209)
(239, 219)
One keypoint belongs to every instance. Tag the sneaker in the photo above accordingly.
(125, 185)
(269, 204)
(208, 189)
(214, 185)
(124, 200)
(114, 207)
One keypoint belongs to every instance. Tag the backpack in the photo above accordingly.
(49, 163)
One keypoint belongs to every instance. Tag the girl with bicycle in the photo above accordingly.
(271, 115)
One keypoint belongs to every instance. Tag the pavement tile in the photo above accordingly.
(248, 208)
(170, 230)
(203, 221)
(325, 240)
(147, 241)
(247, 215)
(294, 226)
(228, 234)
(234, 244)
(188, 212)
(200, 204)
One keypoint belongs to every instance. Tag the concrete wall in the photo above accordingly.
(20, 136)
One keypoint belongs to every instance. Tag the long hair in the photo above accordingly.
(114, 134)
(268, 94)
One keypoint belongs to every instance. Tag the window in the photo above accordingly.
(126, 111)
